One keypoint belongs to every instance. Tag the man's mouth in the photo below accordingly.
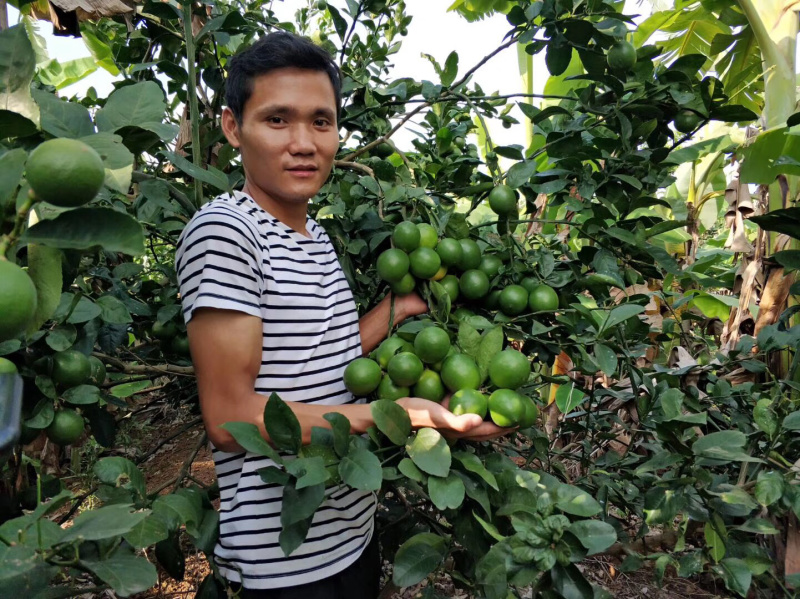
(303, 170)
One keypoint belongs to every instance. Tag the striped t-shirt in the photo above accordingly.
(234, 255)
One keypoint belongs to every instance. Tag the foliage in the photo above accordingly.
(648, 439)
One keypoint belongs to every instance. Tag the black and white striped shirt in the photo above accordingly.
(234, 255)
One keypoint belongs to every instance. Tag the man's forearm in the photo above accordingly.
(374, 325)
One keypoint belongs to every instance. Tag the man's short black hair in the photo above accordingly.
(277, 50)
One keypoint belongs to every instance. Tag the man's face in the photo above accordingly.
(288, 136)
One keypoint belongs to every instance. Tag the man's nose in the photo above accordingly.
(302, 141)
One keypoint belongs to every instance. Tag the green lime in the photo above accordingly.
(362, 376)
(531, 413)
(621, 56)
(71, 368)
(469, 401)
(491, 265)
(425, 262)
(98, 375)
(404, 286)
(66, 428)
(428, 237)
(686, 121)
(429, 386)
(389, 347)
(17, 300)
(432, 344)
(440, 274)
(506, 407)
(450, 251)
(7, 366)
(405, 369)
(406, 236)
(65, 172)
(388, 390)
(459, 371)
(383, 150)
(529, 283)
(392, 265)
(513, 300)
(180, 345)
(450, 284)
(164, 331)
(509, 369)
(492, 301)
(474, 284)
(503, 200)
(470, 254)
(543, 298)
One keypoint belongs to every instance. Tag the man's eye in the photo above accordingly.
(322, 122)
(275, 120)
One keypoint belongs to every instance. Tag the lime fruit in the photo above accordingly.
(405, 369)
(406, 236)
(98, 371)
(491, 265)
(429, 386)
(469, 401)
(503, 200)
(450, 251)
(531, 414)
(164, 331)
(392, 265)
(404, 286)
(470, 254)
(66, 428)
(621, 56)
(440, 274)
(7, 366)
(427, 235)
(388, 390)
(529, 283)
(450, 284)
(506, 407)
(71, 368)
(17, 300)
(513, 300)
(509, 369)
(686, 121)
(389, 347)
(543, 298)
(65, 172)
(474, 284)
(492, 301)
(459, 371)
(425, 262)
(383, 150)
(362, 376)
(180, 345)
(432, 344)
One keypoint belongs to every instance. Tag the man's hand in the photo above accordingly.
(410, 305)
(471, 427)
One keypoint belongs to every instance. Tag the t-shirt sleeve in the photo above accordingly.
(219, 264)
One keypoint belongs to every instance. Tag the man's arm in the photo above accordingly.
(226, 352)
(374, 325)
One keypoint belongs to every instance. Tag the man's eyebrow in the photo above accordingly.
(280, 110)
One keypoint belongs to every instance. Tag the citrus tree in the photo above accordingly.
(557, 305)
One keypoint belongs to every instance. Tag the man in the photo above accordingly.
(268, 309)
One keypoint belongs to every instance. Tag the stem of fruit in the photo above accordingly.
(191, 92)
(497, 174)
(6, 241)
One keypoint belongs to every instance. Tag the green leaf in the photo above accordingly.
(12, 166)
(148, 532)
(124, 572)
(361, 469)
(210, 175)
(469, 340)
(723, 445)
(88, 228)
(569, 397)
(120, 472)
(520, 173)
(282, 425)
(792, 421)
(117, 160)
(714, 542)
(450, 70)
(43, 413)
(63, 74)
(737, 575)
(23, 573)
(113, 311)
(392, 420)
(103, 523)
(446, 493)
(711, 306)
(309, 471)
(82, 395)
(595, 535)
(769, 487)
(249, 437)
(128, 389)
(785, 220)
(430, 452)
(17, 66)
(84, 311)
(620, 314)
(491, 345)
(132, 105)
(606, 359)
(176, 510)
(63, 336)
(61, 118)
(570, 583)
(417, 557)
(575, 501)
(473, 464)
(340, 426)
(409, 469)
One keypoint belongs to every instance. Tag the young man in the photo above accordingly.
(268, 309)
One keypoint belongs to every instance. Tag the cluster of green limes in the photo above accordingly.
(171, 337)
(430, 367)
(68, 369)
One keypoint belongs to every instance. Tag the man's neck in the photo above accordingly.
(292, 215)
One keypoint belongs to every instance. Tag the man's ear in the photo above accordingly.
(230, 127)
